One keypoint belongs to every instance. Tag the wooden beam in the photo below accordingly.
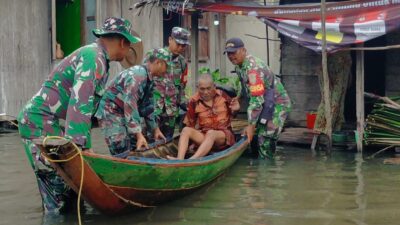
(194, 57)
(360, 99)
(325, 75)
(371, 48)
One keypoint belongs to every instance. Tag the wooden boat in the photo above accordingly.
(116, 185)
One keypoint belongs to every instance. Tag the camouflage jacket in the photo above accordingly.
(170, 90)
(256, 78)
(129, 99)
(71, 92)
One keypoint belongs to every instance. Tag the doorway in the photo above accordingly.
(374, 78)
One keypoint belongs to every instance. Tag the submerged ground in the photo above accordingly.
(297, 188)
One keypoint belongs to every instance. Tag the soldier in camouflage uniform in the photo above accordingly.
(128, 100)
(169, 94)
(71, 93)
(257, 80)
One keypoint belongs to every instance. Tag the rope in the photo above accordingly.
(129, 201)
(79, 152)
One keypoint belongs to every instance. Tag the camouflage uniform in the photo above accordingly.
(256, 78)
(126, 101)
(169, 91)
(71, 93)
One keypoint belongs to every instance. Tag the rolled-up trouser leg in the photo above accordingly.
(53, 190)
(266, 142)
(268, 133)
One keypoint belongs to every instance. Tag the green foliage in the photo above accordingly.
(224, 81)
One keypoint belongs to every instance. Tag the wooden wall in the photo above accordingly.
(25, 55)
(25, 43)
(392, 71)
(148, 25)
(299, 70)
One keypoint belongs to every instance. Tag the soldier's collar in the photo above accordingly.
(172, 56)
(103, 48)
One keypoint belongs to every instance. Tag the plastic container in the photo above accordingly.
(310, 118)
(339, 137)
(345, 136)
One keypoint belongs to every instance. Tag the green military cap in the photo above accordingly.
(181, 35)
(114, 25)
(158, 53)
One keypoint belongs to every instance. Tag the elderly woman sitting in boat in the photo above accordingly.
(211, 110)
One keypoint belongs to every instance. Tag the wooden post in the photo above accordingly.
(221, 48)
(325, 75)
(267, 35)
(53, 29)
(360, 99)
(194, 57)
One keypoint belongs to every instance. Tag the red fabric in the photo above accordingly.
(216, 117)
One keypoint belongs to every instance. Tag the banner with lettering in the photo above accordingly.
(349, 22)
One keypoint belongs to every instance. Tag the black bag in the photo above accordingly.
(267, 112)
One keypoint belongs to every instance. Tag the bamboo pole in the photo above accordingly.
(325, 75)
(360, 99)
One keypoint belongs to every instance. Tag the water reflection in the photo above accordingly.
(297, 188)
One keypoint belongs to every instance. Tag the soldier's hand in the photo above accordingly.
(249, 132)
(141, 141)
(159, 135)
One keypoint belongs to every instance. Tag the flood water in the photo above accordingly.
(298, 188)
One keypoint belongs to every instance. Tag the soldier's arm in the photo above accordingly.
(131, 97)
(257, 89)
(88, 81)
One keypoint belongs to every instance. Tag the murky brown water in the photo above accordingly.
(298, 188)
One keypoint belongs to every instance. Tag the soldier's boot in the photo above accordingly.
(267, 149)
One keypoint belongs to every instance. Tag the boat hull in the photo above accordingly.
(113, 185)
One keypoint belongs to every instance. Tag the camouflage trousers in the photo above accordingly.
(268, 134)
(117, 137)
(57, 196)
(167, 125)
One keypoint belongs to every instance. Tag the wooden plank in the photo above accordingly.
(297, 60)
(360, 99)
(303, 84)
(25, 56)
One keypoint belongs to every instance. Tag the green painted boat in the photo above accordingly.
(115, 185)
